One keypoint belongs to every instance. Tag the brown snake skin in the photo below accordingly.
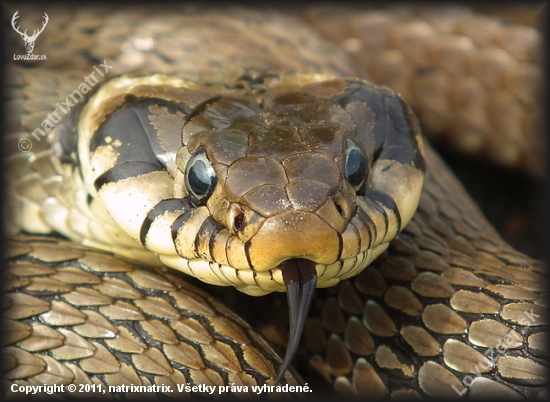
(420, 321)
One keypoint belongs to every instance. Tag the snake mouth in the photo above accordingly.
(300, 278)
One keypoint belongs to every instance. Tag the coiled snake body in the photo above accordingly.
(237, 154)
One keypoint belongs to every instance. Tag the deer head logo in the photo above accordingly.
(29, 40)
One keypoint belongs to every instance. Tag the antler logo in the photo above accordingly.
(29, 40)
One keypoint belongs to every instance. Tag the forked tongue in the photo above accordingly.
(300, 278)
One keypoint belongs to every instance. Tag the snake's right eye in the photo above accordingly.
(200, 177)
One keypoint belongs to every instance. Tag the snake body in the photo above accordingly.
(416, 321)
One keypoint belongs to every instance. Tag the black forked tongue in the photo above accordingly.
(300, 278)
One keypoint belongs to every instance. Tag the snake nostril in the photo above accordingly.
(341, 210)
(238, 222)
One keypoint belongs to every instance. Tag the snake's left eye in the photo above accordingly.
(200, 177)
(355, 166)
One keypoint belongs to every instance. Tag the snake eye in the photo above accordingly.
(355, 167)
(200, 177)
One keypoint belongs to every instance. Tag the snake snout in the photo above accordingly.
(293, 235)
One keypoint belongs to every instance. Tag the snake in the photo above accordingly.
(249, 150)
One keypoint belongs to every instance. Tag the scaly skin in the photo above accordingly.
(418, 321)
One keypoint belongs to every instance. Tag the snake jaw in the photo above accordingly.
(300, 278)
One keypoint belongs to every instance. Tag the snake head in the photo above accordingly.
(227, 183)
(285, 184)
